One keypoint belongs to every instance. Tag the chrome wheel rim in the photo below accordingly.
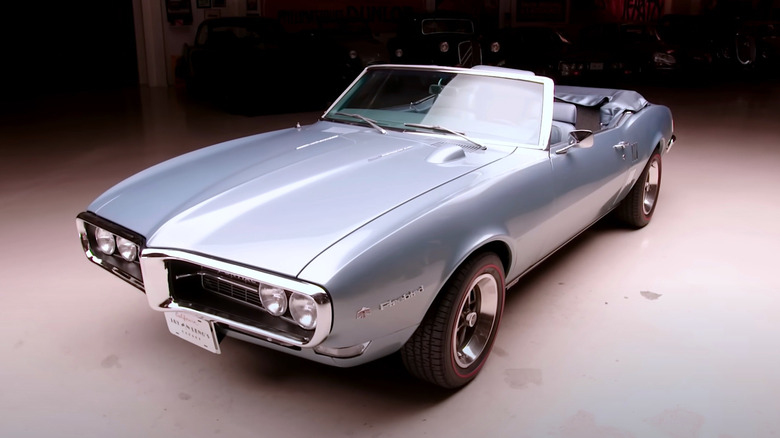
(651, 187)
(476, 318)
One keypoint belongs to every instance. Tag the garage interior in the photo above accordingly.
(662, 332)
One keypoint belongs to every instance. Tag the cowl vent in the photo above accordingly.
(447, 153)
(466, 146)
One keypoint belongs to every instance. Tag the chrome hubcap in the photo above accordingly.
(476, 317)
(651, 187)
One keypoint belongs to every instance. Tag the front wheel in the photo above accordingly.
(638, 206)
(456, 336)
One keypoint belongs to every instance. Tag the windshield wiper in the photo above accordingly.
(447, 130)
(365, 119)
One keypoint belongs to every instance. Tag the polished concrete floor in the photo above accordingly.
(670, 331)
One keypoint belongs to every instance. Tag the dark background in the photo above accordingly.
(67, 46)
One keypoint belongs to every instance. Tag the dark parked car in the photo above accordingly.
(768, 43)
(347, 42)
(250, 62)
(539, 49)
(693, 36)
(627, 50)
(438, 39)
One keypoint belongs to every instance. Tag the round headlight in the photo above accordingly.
(399, 53)
(274, 299)
(304, 311)
(444, 47)
(495, 47)
(127, 249)
(105, 241)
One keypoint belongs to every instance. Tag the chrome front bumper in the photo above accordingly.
(158, 283)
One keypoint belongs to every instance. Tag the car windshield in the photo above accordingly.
(485, 108)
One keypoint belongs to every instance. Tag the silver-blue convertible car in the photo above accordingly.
(394, 223)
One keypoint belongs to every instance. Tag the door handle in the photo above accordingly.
(621, 147)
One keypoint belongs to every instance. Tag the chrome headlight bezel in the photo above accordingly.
(88, 224)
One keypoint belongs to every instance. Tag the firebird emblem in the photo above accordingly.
(365, 312)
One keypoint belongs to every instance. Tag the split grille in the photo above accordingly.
(237, 290)
(228, 295)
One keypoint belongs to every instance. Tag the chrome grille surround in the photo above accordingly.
(162, 269)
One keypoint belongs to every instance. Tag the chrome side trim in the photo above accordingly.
(671, 143)
(155, 272)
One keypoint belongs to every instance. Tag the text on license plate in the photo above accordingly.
(193, 329)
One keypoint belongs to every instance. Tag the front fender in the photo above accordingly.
(383, 278)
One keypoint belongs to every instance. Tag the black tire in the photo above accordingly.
(454, 339)
(639, 205)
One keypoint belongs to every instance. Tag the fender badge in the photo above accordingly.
(364, 313)
(404, 297)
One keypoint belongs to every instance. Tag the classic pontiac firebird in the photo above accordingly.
(394, 223)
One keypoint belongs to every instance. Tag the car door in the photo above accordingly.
(587, 181)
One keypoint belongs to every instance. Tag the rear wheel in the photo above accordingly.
(638, 206)
(456, 336)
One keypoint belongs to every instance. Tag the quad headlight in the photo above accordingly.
(105, 240)
(108, 243)
(303, 309)
(127, 249)
(274, 299)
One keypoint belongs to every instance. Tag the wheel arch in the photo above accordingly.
(498, 247)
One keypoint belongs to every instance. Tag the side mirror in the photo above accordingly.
(579, 138)
(435, 89)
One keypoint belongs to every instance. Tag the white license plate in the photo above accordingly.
(193, 329)
(597, 66)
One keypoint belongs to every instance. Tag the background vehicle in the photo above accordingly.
(437, 38)
(251, 63)
(539, 49)
(348, 43)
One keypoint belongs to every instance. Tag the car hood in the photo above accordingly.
(277, 200)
